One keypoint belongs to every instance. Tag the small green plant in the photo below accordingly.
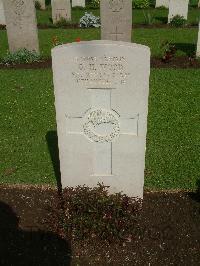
(89, 20)
(149, 18)
(37, 5)
(94, 213)
(152, 3)
(168, 51)
(22, 56)
(178, 21)
(95, 4)
(141, 4)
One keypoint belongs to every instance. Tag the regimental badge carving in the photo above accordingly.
(97, 117)
(116, 5)
(19, 6)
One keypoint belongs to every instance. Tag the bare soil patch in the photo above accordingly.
(156, 62)
(168, 232)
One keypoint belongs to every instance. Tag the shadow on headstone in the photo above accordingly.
(188, 48)
(52, 142)
(196, 195)
(29, 247)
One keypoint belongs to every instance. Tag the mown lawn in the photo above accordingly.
(185, 39)
(158, 16)
(28, 120)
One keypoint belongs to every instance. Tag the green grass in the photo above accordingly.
(173, 129)
(28, 116)
(186, 39)
(159, 15)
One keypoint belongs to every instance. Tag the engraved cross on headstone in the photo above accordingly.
(116, 33)
(101, 99)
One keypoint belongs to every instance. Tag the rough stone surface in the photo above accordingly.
(164, 3)
(116, 20)
(61, 9)
(21, 25)
(101, 91)
(2, 14)
(42, 3)
(78, 3)
(198, 43)
(178, 7)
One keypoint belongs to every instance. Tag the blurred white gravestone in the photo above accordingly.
(61, 9)
(2, 14)
(199, 4)
(164, 3)
(178, 7)
(80, 3)
(101, 91)
(21, 25)
(198, 43)
(42, 3)
(116, 20)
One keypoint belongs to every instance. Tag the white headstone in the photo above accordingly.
(2, 14)
(101, 91)
(61, 9)
(80, 3)
(198, 43)
(178, 7)
(164, 3)
(21, 25)
(42, 3)
(116, 20)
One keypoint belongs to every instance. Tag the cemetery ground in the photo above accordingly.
(28, 124)
(166, 231)
(183, 39)
(157, 16)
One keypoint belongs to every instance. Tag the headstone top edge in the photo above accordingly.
(101, 43)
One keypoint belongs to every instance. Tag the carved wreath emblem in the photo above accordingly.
(98, 117)
(116, 5)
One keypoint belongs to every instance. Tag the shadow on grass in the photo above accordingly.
(196, 195)
(30, 247)
(163, 20)
(188, 48)
(52, 142)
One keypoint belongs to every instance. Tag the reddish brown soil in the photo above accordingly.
(168, 232)
(36, 65)
(176, 62)
(134, 26)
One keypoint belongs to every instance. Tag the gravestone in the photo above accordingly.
(61, 9)
(21, 25)
(199, 4)
(164, 3)
(42, 3)
(116, 20)
(2, 14)
(101, 92)
(80, 3)
(198, 43)
(178, 7)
